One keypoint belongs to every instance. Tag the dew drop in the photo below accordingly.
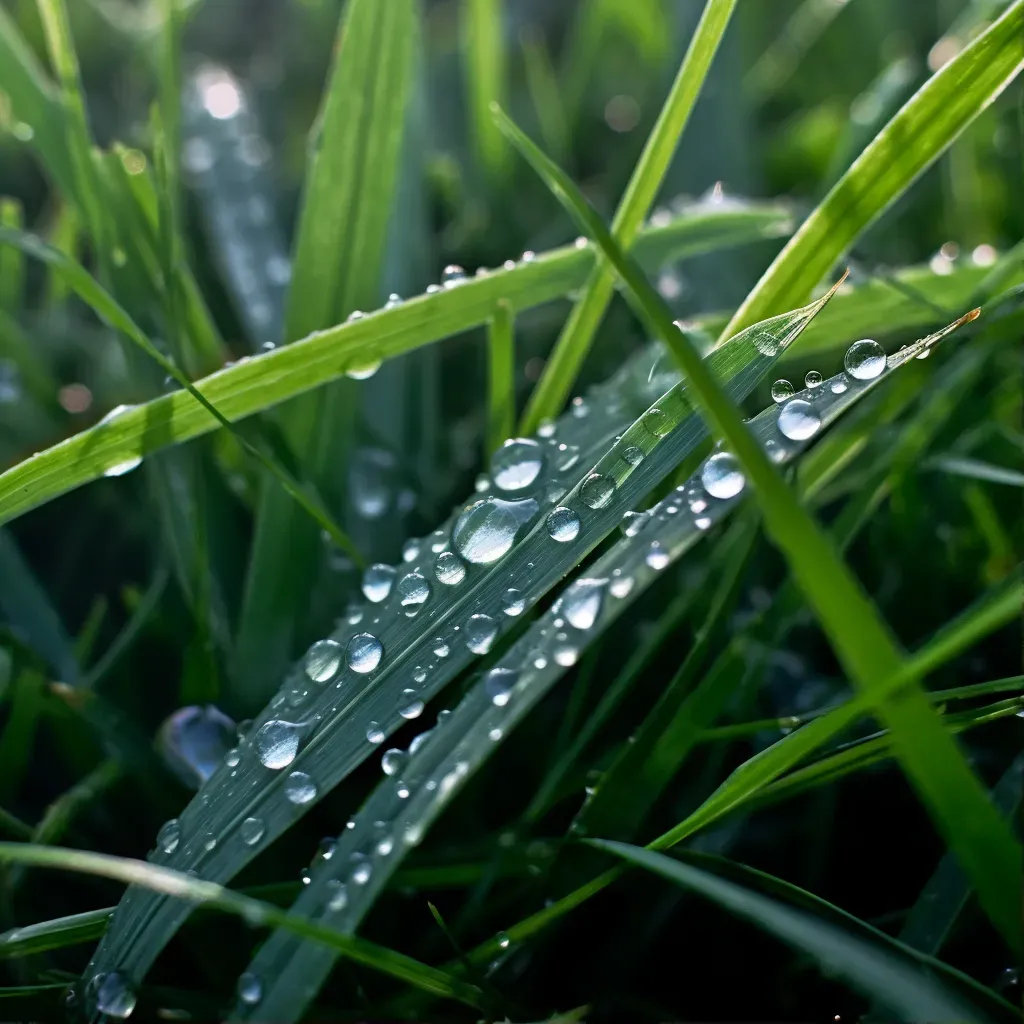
(566, 457)
(337, 898)
(123, 466)
(232, 757)
(115, 995)
(499, 685)
(839, 385)
(566, 655)
(410, 550)
(449, 569)
(503, 940)
(581, 603)
(702, 523)
(597, 490)
(633, 455)
(169, 836)
(516, 464)
(487, 529)
(299, 788)
(250, 988)
(621, 586)
(634, 522)
(413, 590)
(385, 845)
(812, 379)
(781, 390)
(656, 422)
(413, 709)
(864, 359)
(193, 742)
(722, 476)
(251, 831)
(394, 299)
(657, 556)
(418, 741)
(563, 524)
(377, 582)
(480, 633)
(374, 733)
(277, 743)
(529, 256)
(441, 648)
(512, 602)
(452, 275)
(799, 420)
(363, 365)
(361, 873)
(364, 652)
(392, 760)
(322, 660)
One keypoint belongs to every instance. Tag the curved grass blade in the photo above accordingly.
(577, 334)
(255, 912)
(263, 382)
(919, 133)
(871, 967)
(338, 714)
(948, 787)
(434, 771)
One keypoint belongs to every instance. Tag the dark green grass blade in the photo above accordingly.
(54, 934)
(18, 733)
(260, 383)
(949, 789)
(349, 190)
(919, 133)
(574, 341)
(869, 964)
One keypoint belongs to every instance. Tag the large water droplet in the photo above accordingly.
(392, 760)
(299, 788)
(251, 831)
(277, 743)
(581, 603)
(516, 464)
(487, 529)
(597, 490)
(169, 836)
(449, 569)
(781, 390)
(323, 660)
(499, 685)
(377, 582)
(722, 476)
(864, 360)
(413, 590)
(193, 742)
(250, 988)
(115, 995)
(512, 602)
(364, 652)
(480, 633)
(799, 420)
(563, 524)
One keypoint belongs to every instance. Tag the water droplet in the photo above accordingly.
(702, 523)
(449, 569)
(169, 836)
(487, 529)
(418, 741)
(597, 490)
(812, 379)
(579, 408)
(512, 602)
(621, 586)
(377, 582)
(385, 846)
(657, 556)
(697, 505)
(566, 655)
(499, 685)
(452, 275)
(322, 660)
(656, 422)
(193, 742)
(356, 314)
(839, 385)
(337, 898)
(122, 466)
(251, 831)
(277, 743)
(115, 995)
(419, 674)
(503, 940)
(480, 633)
(516, 464)
(581, 603)
(546, 428)
(529, 256)
(413, 590)
(363, 365)
(633, 455)
(582, 242)
(781, 390)
(441, 648)
(232, 757)
(563, 524)
(722, 476)
(799, 420)
(375, 734)
(392, 760)
(371, 480)
(634, 522)
(364, 652)
(300, 788)
(566, 457)
(864, 359)
(250, 988)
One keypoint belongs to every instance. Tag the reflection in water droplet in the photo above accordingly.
(581, 603)
(597, 490)
(392, 760)
(781, 390)
(512, 602)
(812, 379)
(480, 633)
(499, 684)
(277, 743)
(251, 831)
(864, 359)
(799, 420)
(377, 582)
(448, 569)
(722, 476)
(300, 788)
(516, 464)
(322, 660)
(364, 652)
(487, 529)
(114, 994)
(169, 836)
(563, 524)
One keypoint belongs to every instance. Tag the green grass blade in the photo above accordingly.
(12, 262)
(574, 341)
(975, 469)
(543, 87)
(483, 57)
(501, 354)
(254, 912)
(871, 966)
(18, 735)
(263, 382)
(57, 933)
(953, 795)
(919, 133)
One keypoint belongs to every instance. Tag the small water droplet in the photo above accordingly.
(337, 895)
(364, 652)
(839, 385)
(657, 422)
(487, 529)
(194, 741)
(799, 420)
(419, 674)
(702, 523)
(363, 365)
(413, 590)
(499, 685)
(377, 582)
(864, 359)
(722, 476)
(481, 630)
(411, 550)
(394, 299)
(232, 757)
(621, 586)
(449, 569)
(323, 660)
(657, 556)
(251, 831)
(529, 256)
(597, 490)
(503, 940)
(115, 995)
(566, 655)
(581, 242)
(375, 734)
(512, 602)
(277, 743)
(563, 524)
(169, 836)
(566, 457)
(385, 846)
(633, 455)
(452, 275)
(441, 648)
(781, 390)
(392, 760)
(122, 466)
(413, 709)
(546, 429)
(812, 379)
(300, 788)
(634, 522)
(495, 734)
(581, 603)
(356, 314)
(516, 464)
(361, 873)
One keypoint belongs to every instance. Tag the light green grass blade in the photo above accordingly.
(543, 87)
(260, 383)
(954, 797)
(925, 126)
(483, 59)
(501, 355)
(872, 967)
(563, 365)
(254, 912)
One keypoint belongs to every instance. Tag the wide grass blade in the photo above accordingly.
(871, 967)
(574, 341)
(265, 381)
(953, 795)
(922, 130)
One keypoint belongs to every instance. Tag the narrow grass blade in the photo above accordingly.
(871, 967)
(30, 939)
(953, 795)
(922, 130)
(975, 469)
(574, 342)
(12, 262)
(543, 87)
(483, 57)
(501, 352)
(260, 383)
(254, 912)
(18, 734)
(466, 590)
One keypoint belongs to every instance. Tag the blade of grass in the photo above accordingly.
(543, 87)
(483, 57)
(254, 912)
(975, 469)
(501, 352)
(19, 731)
(57, 933)
(919, 133)
(953, 795)
(574, 341)
(12, 262)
